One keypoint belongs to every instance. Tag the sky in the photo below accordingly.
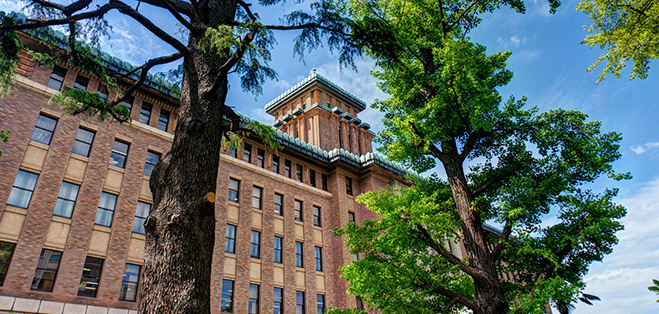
(550, 65)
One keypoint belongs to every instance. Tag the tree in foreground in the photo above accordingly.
(222, 37)
(655, 287)
(504, 163)
(628, 30)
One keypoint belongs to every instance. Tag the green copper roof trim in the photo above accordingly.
(335, 154)
(315, 77)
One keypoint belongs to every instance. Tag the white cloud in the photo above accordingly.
(514, 41)
(11, 5)
(640, 149)
(621, 280)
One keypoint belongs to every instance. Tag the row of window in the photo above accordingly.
(21, 194)
(226, 304)
(257, 202)
(255, 248)
(45, 127)
(48, 265)
(56, 81)
(260, 157)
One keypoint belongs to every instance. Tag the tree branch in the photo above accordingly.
(38, 23)
(180, 6)
(180, 18)
(125, 9)
(455, 297)
(143, 75)
(424, 236)
(505, 234)
(433, 149)
(76, 6)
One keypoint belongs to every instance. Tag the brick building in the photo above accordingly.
(74, 195)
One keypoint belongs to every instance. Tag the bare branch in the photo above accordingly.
(180, 6)
(455, 297)
(125, 9)
(76, 6)
(505, 234)
(180, 18)
(38, 23)
(48, 4)
(143, 75)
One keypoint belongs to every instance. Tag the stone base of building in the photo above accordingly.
(23, 305)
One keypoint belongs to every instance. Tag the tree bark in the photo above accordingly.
(180, 231)
(489, 297)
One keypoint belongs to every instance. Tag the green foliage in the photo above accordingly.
(77, 101)
(655, 287)
(445, 109)
(334, 310)
(628, 30)
(10, 48)
(4, 137)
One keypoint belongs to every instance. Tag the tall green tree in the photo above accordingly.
(628, 30)
(222, 37)
(504, 163)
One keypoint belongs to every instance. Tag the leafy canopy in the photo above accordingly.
(628, 30)
(445, 109)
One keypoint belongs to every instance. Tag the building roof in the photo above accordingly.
(313, 78)
(337, 154)
(59, 39)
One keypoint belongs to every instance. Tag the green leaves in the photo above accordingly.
(627, 30)
(655, 287)
(10, 48)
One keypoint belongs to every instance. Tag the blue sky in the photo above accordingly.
(550, 69)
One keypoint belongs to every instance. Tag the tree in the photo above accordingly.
(626, 30)
(655, 287)
(223, 37)
(445, 110)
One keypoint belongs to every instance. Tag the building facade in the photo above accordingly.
(74, 195)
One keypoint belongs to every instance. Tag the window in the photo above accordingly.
(320, 303)
(232, 151)
(44, 276)
(253, 303)
(226, 304)
(102, 91)
(6, 252)
(319, 258)
(298, 172)
(163, 120)
(128, 104)
(141, 212)
(324, 181)
(257, 193)
(299, 302)
(43, 129)
(278, 301)
(247, 153)
(234, 189)
(66, 199)
(279, 204)
(151, 160)
(348, 186)
(83, 142)
(105, 211)
(312, 177)
(91, 274)
(298, 210)
(119, 153)
(57, 78)
(81, 82)
(360, 303)
(299, 255)
(316, 216)
(260, 155)
(275, 164)
(129, 283)
(230, 239)
(255, 247)
(278, 252)
(145, 112)
(21, 192)
(287, 168)
(351, 216)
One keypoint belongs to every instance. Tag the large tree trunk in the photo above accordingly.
(488, 297)
(180, 230)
